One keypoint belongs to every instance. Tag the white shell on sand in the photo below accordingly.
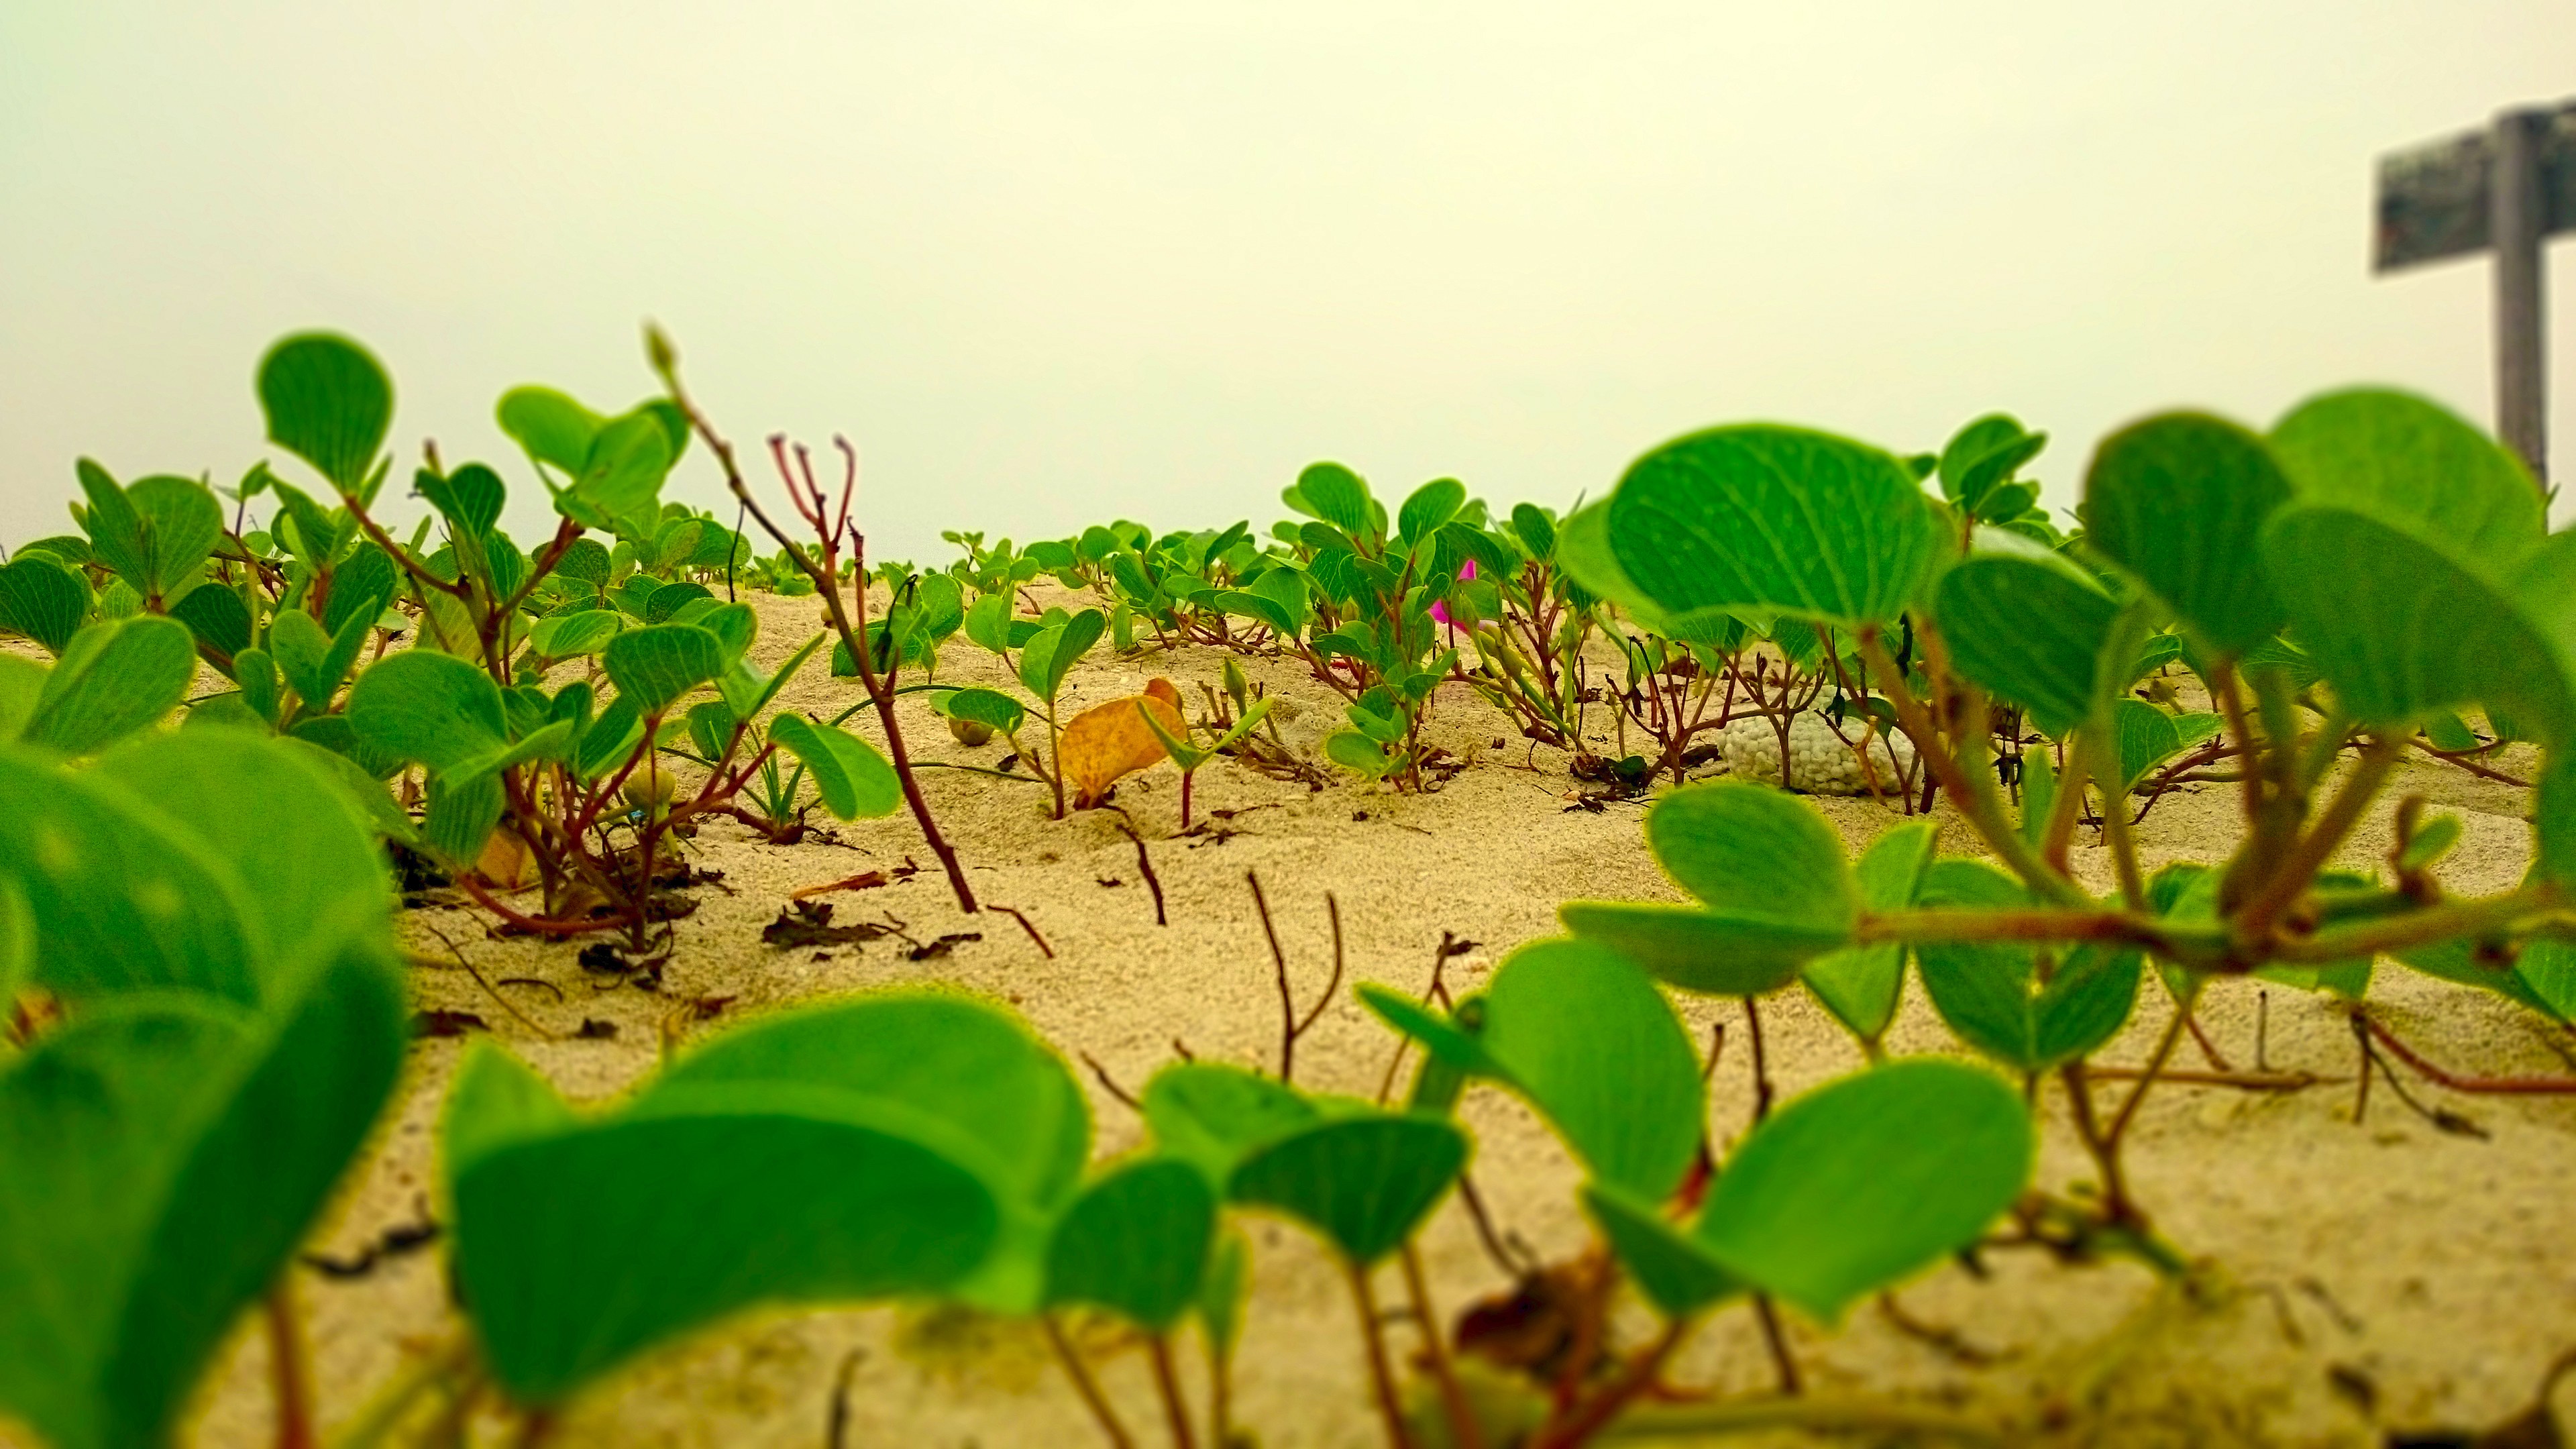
(1820, 763)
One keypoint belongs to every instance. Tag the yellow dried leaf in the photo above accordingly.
(1110, 741)
(506, 862)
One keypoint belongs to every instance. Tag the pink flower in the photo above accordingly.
(1440, 611)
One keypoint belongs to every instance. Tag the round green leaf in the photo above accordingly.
(2028, 626)
(1749, 849)
(2179, 501)
(580, 1247)
(855, 781)
(2404, 627)
(1336, 495)
(1211, 1115)
(1861, 985)
(1783, 519)
(2413, 464)
(1675, 1273)
(1364, 1182)
(1863, 1182)
(115, 677)
(1711, 952)
(1136, 1243)
(159, 1161)
(428, 707)
(43, 601)
(1582, 1032)
(328, 402)
(658, 663)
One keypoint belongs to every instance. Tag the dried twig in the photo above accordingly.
(1048, 950)
(2508, 1086)
(1438, 991)
(1291, 1025)
(488, 988)
(836, 1432)
(1154, 883)
(1108, 1084)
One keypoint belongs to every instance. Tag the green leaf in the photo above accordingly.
(278, 822)
(669, 599)
(1336, 495)
(986, 706)
(988, 622)
(1443, 1036)
(116, 531)
(1749, 848)
(216, 616)
(22, 683)
(1861, 985)
(1983, 454)
(2149, 736)
(433, 709)
(329, 403)
(1708, 952)
(1676, 1274)
(1771, 872)
(1430, 506)
(115, 677)
(159, 1161)
(1861, 1183)
(1537, 532)
(1136, 1243)
(854, 780)
(1212, 1116)
(1996, 996)
(1050, 656)
(43, 601)
(1364, 1182)
(312, 662)
(2179, 501)
(1284, 590)
(2027, 625)
(365, 584)
(2404, 628)
(581, 1244)
(1353, 750)
(584, 631)
(461, 812)
(470, 499)
(119, 900)
(182, 523)
(749, 693)
(1761, 516)
(971, 1065)
(620, 480)
(658, 663)
(2414, 465)
(549, 425)
(1582, 1033)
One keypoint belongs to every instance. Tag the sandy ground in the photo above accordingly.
(2371, 1275)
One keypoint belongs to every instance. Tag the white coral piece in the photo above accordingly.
(1819, 762)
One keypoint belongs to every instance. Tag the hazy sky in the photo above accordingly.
(1053, 263)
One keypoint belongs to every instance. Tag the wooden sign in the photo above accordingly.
(2504, 190)
(2438, 201)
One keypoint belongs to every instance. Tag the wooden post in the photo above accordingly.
(2506, 189)
(2516, 224)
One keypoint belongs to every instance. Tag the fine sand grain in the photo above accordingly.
(2371, 1275)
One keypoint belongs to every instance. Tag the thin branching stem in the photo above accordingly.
(1465, 1432)
(1085, 1385)
(1167, 1384)
(290, 1373)
(1381, 1372)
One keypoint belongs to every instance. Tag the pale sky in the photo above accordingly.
(1050, 264)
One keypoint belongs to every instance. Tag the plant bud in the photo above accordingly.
(649, 791)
